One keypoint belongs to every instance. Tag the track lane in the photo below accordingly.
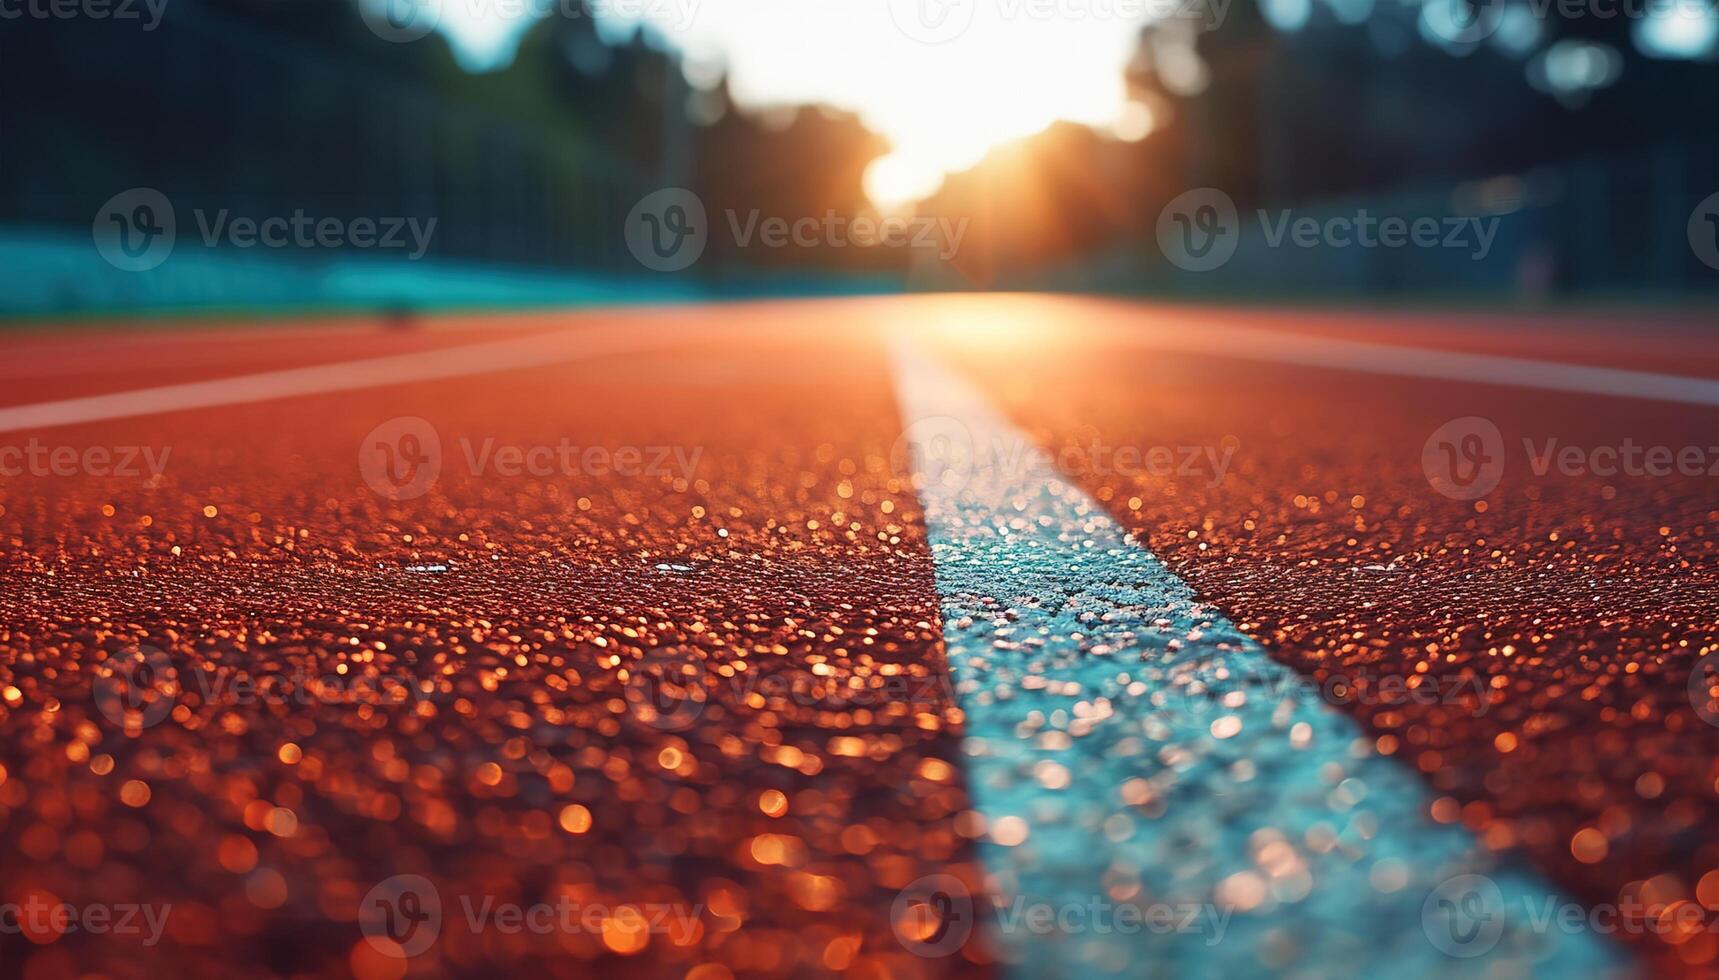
(1583, 602)
(292, 464)
(545, 614)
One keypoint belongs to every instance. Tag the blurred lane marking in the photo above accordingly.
(539, 350)
(1125, 741)
(1239, 342)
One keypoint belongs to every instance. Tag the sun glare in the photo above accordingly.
(899, 179)
(1010, 73)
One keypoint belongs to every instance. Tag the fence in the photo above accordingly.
(1622, 225)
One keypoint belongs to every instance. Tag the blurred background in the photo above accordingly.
(1050, 134)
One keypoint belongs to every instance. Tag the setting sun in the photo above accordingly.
(1008, 72)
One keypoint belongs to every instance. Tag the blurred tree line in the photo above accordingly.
(1552, 108)
(263, 107)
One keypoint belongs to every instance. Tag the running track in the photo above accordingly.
(833, 647)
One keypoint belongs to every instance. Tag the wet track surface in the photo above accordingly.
(690, 675)
(1578, 603)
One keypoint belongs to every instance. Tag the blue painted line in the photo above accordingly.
(1127, 745)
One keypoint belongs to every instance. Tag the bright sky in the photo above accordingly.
(1017, 67)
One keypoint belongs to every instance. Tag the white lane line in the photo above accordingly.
(1240, 342)
(1226, 340)
(1127, 744)
(540, 350)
